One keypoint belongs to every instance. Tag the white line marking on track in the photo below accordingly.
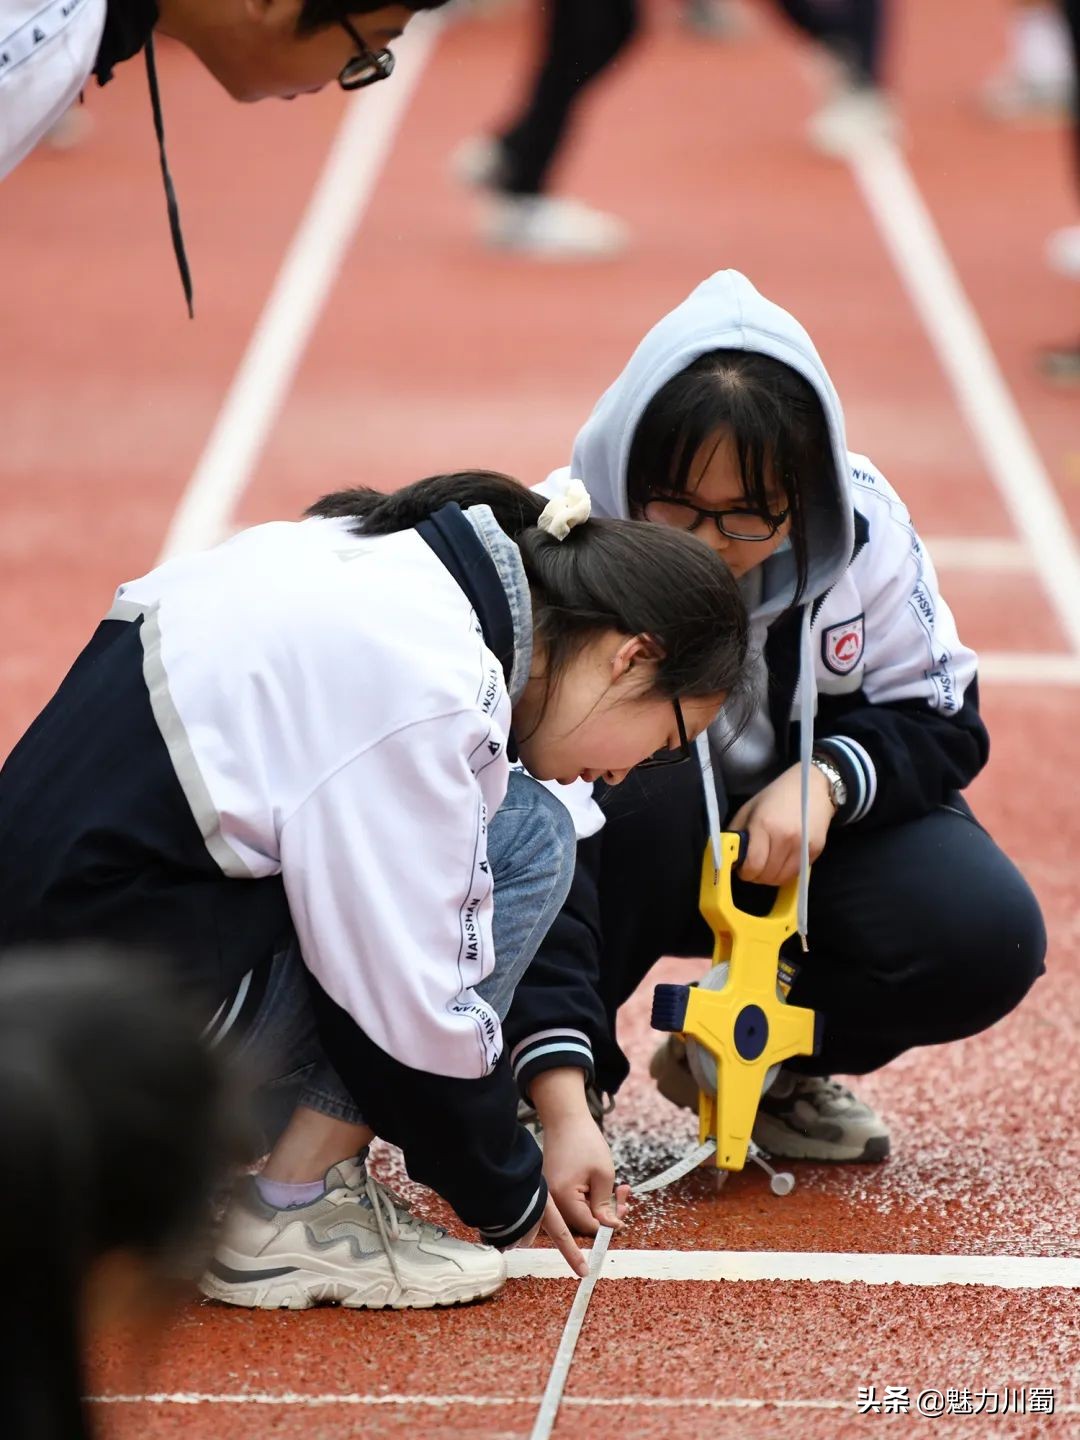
(341, 195)
(909, 234)
(999, 556)
(1023, 668)
(1008, 1272)
(446, 1402)
(564, 1355)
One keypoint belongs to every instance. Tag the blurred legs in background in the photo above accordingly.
(852, 35)
(581, 42)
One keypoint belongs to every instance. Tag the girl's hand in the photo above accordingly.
(577, 1162)
(581, 1176)
(772, 820)
(554, 1225)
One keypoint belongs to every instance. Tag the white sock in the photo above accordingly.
(283, 1195)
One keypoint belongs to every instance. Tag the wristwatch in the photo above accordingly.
(837, 787)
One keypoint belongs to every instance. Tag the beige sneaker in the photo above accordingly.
(670, 1069)
(357, 1246)
(800, 1117)
(813, 1117)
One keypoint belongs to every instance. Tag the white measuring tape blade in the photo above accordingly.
(560, 1369)
(712, 805)
(564, 1355)
(678, 1170)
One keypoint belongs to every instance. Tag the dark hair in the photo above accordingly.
(316, 14)
(113, 1134)
(607, 574)
(779, 428)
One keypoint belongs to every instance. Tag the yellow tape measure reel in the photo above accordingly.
(745, 1024)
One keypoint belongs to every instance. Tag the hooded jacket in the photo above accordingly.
(867, 669)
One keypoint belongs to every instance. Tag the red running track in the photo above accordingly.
(433, 354)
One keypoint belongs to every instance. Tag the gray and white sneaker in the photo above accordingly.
(800, 1117)
(357, 1246)
(813, 1117)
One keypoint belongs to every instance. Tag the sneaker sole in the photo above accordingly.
(307, 1289)
(783, 1143)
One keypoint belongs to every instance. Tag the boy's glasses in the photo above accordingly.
(734, 524)
(366, 67)
(670, 757)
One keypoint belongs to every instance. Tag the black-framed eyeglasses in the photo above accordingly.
(670, 757)
(367, 66)
(753, 525)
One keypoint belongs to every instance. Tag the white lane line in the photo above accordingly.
(909, 234)
(447, 1402)
(341, 195)
(1008, 1272)
(564, 1355)
(1020, 667)
(978, 553)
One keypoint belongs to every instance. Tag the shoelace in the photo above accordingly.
(387, 1222)
(393, 1219)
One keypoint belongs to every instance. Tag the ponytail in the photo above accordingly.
(514, 507)
(621, 575)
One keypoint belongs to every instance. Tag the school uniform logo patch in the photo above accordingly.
(842, 646)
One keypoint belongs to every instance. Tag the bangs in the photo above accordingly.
(774, 417)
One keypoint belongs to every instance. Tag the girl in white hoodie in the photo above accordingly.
(285, 768)
(920, 931)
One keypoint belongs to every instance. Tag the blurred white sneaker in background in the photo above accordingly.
(1063, 251)
(549, 227)
(546, 227)
(856, 117)
(477, 161)
(1037, 81)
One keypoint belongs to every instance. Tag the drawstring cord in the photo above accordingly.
(807, 694)
(170, 193)
(807, 707)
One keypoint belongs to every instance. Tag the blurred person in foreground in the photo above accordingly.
(514, 167)
(256, 49)
(115, 1134)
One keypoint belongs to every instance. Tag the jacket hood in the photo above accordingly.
(725, 312)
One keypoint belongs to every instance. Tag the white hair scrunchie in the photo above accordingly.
(572, 507)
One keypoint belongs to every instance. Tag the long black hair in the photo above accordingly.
(115, 1129)
(779, 428)
(607, 574)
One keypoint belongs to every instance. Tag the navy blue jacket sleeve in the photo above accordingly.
(901, 760)
(459, 1137)
(558, 1018)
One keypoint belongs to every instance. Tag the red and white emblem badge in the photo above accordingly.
(842, 646)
